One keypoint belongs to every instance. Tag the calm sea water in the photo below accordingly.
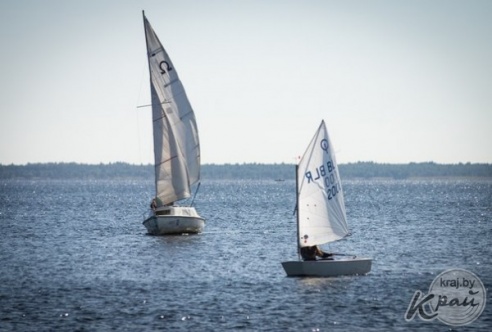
(74, 256)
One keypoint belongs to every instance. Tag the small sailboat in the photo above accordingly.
(176, 146)
(321, 216)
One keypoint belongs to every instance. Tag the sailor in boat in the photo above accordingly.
(310, 253)
(153, 205)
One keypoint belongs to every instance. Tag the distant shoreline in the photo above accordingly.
(359, 170)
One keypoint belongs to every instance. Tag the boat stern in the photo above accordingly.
(174, 220)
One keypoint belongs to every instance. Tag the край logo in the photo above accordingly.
(456, 297)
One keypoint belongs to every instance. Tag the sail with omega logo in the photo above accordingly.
(321, 207)
(176, 142)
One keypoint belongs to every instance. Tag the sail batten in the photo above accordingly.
(321, 208)
(176, 142)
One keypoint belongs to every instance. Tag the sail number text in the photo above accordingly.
(326, 173)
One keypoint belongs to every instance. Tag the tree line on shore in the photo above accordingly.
(243, 171)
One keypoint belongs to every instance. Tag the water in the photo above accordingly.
(75, 256)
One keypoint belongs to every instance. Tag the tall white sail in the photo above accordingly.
(321, 208)
(176, 143)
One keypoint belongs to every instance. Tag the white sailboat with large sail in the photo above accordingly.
(321, 216)
(176, 145)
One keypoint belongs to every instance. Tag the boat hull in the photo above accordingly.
(178, 220)
(328, 268)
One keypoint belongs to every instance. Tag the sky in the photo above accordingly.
(395, 81)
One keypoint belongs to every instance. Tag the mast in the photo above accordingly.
(297, 212)
(146, 46)
(150, 76)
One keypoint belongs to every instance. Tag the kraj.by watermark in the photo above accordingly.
(456, 297)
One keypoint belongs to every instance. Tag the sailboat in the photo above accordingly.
(176, 146)
(321, 216)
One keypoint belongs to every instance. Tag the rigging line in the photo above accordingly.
(196, 192)
(141, 80)
(139, 138)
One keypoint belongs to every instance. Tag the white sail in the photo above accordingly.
(176, 143)
(321, 208)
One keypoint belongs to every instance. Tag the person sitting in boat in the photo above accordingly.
(310, 253)
(153, 204)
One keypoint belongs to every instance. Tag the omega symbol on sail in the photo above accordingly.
(324, 145)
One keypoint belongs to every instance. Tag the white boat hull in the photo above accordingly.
(328, 268)
(174, 220)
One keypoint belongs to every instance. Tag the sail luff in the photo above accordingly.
(151, 86)
(321, 207)
(176, 142)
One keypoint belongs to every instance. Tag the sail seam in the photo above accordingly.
(165, 161)
(171, 82)
(185, 115)
(157, 50)
(157, 119)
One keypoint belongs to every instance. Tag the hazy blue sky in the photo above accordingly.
(395, 81)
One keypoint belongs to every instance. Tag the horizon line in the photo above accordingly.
(243, 163)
